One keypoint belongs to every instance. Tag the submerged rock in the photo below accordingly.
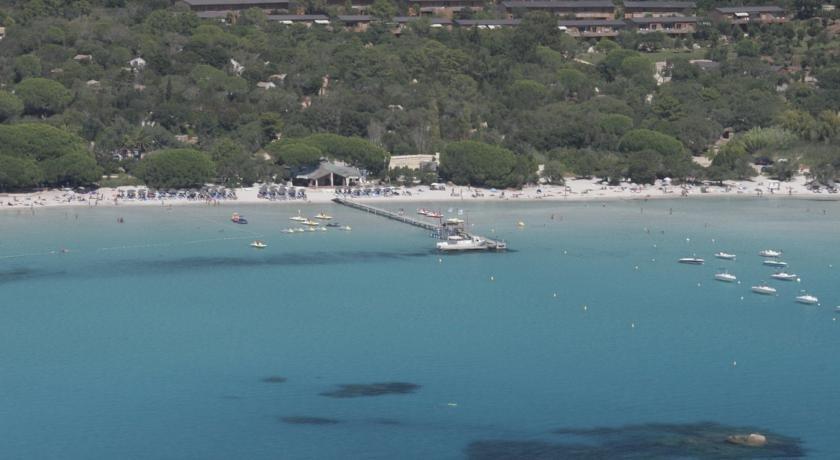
(654, 440)
(357, 390)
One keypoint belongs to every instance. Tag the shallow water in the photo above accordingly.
(168, 337)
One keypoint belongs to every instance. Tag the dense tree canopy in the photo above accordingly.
(175, 168)
(128, 77)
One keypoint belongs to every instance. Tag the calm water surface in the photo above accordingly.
(151, 339)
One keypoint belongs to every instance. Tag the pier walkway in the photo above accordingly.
(440, 230)
(388, 214)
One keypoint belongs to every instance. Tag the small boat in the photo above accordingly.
(259, 244)
(770, 253)
(764, 289)
(807, 299)
(346, 228)
(775, 263)
(333, 224)
(322, 229)
(310, 223)
(299, 230)
(726, 277)
(691, 261)
(520, 224)
(298, 218)
(323, 216)
(423, 211)
(725, 255)
(784, 276)
(288, 230)
(237, 219)
(434, 214)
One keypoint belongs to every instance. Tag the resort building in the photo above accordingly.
(437, 23)
(488, 23)
(329, 173)
(222, 16)
(2, 32)
(656, 9)
(742, 15)
(355, 22)
(306, 19)
(675, 25)
(444, 8)
(236, 5)
(577, 9)
(591, 28)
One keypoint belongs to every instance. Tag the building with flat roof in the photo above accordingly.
(420, 162)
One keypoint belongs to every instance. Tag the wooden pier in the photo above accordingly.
(440, 230)
(388, 214)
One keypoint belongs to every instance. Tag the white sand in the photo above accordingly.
(575, 190)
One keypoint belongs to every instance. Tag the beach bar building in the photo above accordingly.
(329, 173)
(742, 15)
(576, 9)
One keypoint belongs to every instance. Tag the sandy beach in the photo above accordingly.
(574, 190)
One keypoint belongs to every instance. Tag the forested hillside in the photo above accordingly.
(112, 80)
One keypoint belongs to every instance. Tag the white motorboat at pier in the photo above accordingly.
(725, 255)
(770, 253)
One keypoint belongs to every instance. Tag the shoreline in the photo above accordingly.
(577, 190)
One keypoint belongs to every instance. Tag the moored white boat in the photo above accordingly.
(725, 255)
(775, 263)
(691, 261)
(764, 289)
(726, 277)
(807, 299)
(310, 223)
(259, 244)
(323, 216)
(784, 276)
(459, 243)
(770, 253)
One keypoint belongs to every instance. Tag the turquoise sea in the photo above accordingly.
(168, 337)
